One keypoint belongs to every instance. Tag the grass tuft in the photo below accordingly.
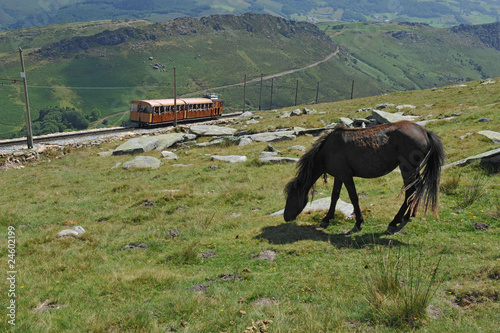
(399, 289)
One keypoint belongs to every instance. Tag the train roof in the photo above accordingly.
(170, 101)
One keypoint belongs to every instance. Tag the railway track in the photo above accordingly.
(21, 143)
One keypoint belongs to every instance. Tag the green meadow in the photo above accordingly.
(207, 264)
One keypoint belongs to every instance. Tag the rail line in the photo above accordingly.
(102, 132)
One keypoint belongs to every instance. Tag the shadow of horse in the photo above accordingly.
(288, 233)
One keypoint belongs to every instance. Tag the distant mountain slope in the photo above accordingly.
(105, 66)
(28, 13)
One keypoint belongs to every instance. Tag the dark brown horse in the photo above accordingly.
(371, 152)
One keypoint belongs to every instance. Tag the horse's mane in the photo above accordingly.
(304, 176)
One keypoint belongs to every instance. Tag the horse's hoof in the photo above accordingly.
(392, 229)
(324, 223)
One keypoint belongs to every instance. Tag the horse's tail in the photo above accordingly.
(306, 177)
(427, 185)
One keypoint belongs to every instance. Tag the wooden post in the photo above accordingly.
(260, 94)
(352, 89)
(296, 91)
(175, 99)
(271, 101)
(26, 100)
(317, 93)
(244, 92)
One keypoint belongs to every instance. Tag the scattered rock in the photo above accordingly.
(324, 204)
(230, 158)
(383, 106)
(272, 136)
(466, 135)
(493, 136)
(481, 226)
(145, 162)
(172, 234)
(268, 255)
(75, 232)
(345, 121)
(285, 114)
(484, 120)
(199, 287)
(273, 159)
(296, 112)
(488, 81)
(137, 146)
(46, 305)
(405, 106)
(297, 147)
(169, 155)
(211, 130)
(386, 117)
(492, 156)
(141, 246)
(208, 254)
(309, 111)
(246, 114)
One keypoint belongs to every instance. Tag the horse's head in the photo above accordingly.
(296, 200)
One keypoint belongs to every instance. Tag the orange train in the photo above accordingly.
(159, 111)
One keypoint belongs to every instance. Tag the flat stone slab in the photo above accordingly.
(144, 162)
(492, 135)
(75, 232)
(137, 145)
(492, 156)
(273, 136)
(387, 117)
(230, 158)
(211, 130)
(324, 204)
(147, 143)
(276, 159)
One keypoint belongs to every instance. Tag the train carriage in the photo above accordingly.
(159, 111)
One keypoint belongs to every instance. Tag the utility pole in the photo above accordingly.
(352, 89)
(175, 100)
(296, 91)
(244, 92)
(26, 100)
(317, 93)
(260, 94)
(271, 101)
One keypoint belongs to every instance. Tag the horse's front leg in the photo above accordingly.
(353, 196)
(337, 187)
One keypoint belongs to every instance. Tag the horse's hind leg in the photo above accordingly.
(407, 210)
(353, 195)
(337, 186)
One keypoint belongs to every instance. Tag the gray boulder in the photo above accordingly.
(492, 156)
(137, 146)
(273, 136)
(145, 162)
(211, 130)
(171, 139)
(169, 155)
(285, 114)
(246, 114)
(75, 232)
(345, 208)
(405, 106)
(230, 158)
(493, 136)
(387, 117)
(274, 159)
(296, 112)
(309, 111)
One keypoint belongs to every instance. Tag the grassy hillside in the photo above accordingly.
(205, 225)
(106, 64)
